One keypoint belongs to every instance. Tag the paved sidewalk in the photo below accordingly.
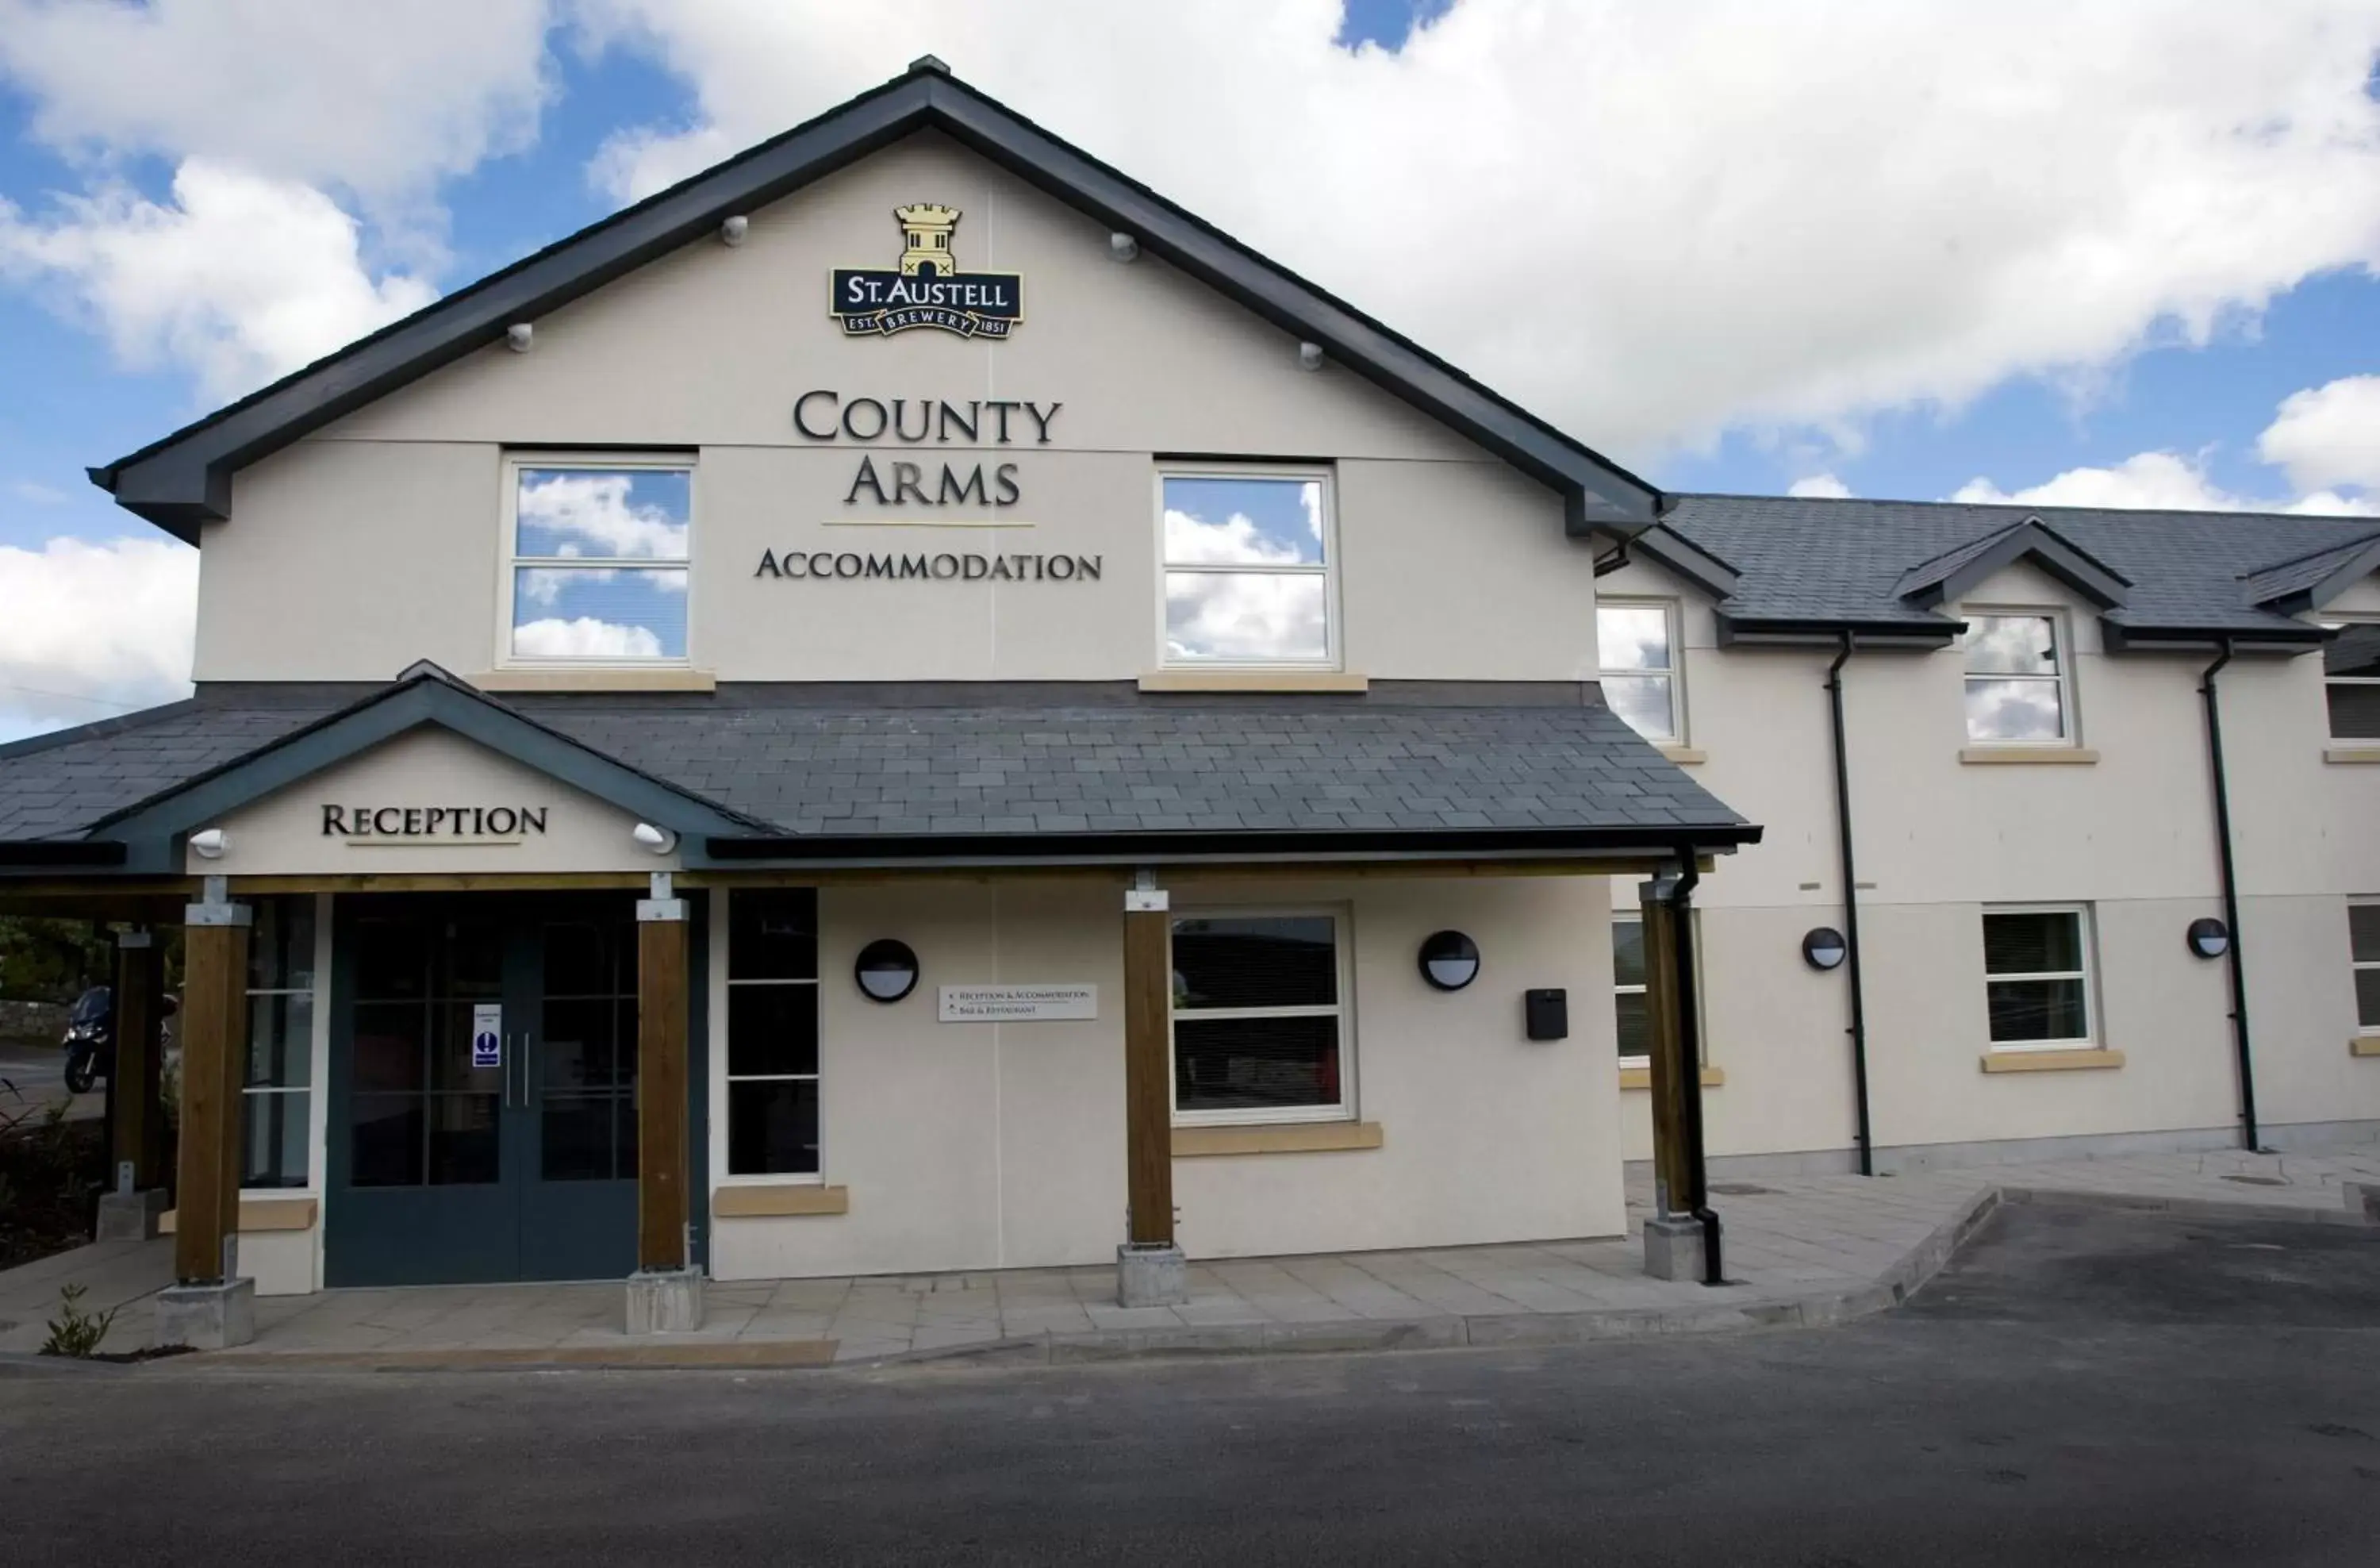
(1799, 1251)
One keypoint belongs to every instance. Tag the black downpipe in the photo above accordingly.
(1851, 908)
(1690, 1046)
(2230, 899)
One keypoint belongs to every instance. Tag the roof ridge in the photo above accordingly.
(114, 723)
(2359, 541)
(1823, 501)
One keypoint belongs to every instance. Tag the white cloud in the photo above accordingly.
(1236, 541)
(2162, 481)
(2328, 435)
(1822, 486)
(1651, 222)
(239, 278)
(381, 99)
(599, 516)
(584, 637)
(93, 629)
(38, 494)
(2321, 436)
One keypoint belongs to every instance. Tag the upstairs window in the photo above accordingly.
(598, 561)
(1248, 567)
(1636, 655)
(2016, 680)
(2350, 676)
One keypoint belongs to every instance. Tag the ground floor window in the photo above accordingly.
(2363, 940)
(1631, 1009)
(772, 1032)
(276, 1078)
(1260, 1016)
(2037, 977)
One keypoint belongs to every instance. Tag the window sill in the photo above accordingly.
(260, 1214)
(597, 680)
(1291, 1137)
(2071, 755)
(2365, 1045)
(2050, 1061)
(1642, 1077)
(1683, 755)
(772, 1199)
(1254, 680)
(2353, 752)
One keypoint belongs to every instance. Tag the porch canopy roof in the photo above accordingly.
(969, 774)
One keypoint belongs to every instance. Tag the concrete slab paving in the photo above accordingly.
(1801, 1250)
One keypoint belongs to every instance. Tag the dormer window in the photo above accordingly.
(598, 561)
(2016, 680)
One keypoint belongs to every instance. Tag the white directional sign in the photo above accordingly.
(1006, 1004)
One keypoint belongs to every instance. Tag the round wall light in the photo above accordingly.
(1449, 960)
(887, 970)
(2209, 938)
(1824, 948)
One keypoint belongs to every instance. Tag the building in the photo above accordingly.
(735, 747)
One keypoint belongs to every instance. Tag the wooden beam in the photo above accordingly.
(1673, 1168)
(134, 1090)
(662, 1024)
(1148, 1072)
(213, 1029)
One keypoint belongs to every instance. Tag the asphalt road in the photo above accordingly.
(33, 1075)
(2081, 1387)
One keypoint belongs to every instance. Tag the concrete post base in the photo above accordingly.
(1673, 1249)
(1151, 1276)
(664, 1301)
(211, 1316)
(128, 1216)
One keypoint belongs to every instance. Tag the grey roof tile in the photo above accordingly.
(1820, 559)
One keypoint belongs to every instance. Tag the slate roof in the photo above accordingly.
(840, 763)
(2289, 579)
(1823, 560)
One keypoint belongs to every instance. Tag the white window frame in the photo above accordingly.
(1342, 936)
(316, 1047)
(1636, 916)
(509, 561)
(1334, 655)
(2357, 965)
(1676, 674)
(2337, 623)
(2088, 975)
(2061, 647)
(722, 931)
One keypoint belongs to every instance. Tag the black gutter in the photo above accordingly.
(2230, 899)
(1690, 1046)
(1851, 908)
(1143, 848)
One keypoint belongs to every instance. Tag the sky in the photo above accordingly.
(2107, 254)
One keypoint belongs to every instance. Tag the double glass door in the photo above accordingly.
(483, 1120)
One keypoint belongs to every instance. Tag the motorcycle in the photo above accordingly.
(89, 1044)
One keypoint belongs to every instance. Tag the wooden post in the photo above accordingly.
(1149, 1067)
(140, 1109)
(1672, 1170)
(662, 1022)
(215, 1037)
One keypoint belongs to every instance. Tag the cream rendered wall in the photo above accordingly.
(970, 1145)
(282, 834)
(376, 541)
(1939, 839)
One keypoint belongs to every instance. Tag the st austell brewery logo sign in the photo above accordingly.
(926, 289)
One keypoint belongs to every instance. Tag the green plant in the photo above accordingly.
(75, 1332)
